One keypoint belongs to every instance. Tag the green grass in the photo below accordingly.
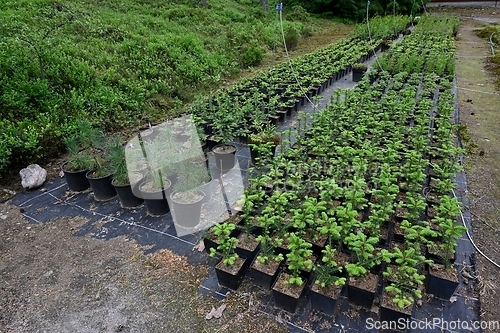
(119, 63)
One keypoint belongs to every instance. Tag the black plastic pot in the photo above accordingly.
(264, 279)
(157, 207)
(224, 160)
(126, 196)
(209, 243)
(282, 250)
(76, 180)
(285, 301)
(274, 119)
(186, 215)
(429, 254)
(228, 279)
(282, 115)
(254, 155)
(156, 202)
(361, 296)
(211, 143)
(325, 299)
(357, 75)
(247, 253)
(102, 187)
(391, 313)
(439, 286)
(297, 104)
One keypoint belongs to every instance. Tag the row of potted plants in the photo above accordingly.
(364, 193)
(273, 94)
(166, 167)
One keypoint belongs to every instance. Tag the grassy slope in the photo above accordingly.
(121, 63)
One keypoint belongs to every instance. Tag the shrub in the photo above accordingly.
(292, 37)
(252, 56)
(306, 31)
(298, 13)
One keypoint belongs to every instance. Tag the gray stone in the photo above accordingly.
(33, 176)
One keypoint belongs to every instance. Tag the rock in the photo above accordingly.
(33, 176)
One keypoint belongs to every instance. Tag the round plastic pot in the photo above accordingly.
(186, 215)
(102, 187)
(155, 202)
(127, 197)
(224, 160)
(77, 180)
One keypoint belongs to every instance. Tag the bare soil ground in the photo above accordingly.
(479, 101)
(53, 281)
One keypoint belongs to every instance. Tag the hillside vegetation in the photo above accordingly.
(121, 63)
(356, 9)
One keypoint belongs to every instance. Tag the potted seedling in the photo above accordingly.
(248, 245)
(155, 187)
(363, 279)
(224, 127)
(100, 176)
(263, 144)
(358, 71)
(231, 268)
(290, 284)
(328, 284)
(187, 197)
(265, 267)
(403, 281)
(386, 44)
(80, 155)
(123, 181)
(442, 279)
(307, 218)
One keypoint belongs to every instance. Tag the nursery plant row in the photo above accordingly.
(270, 95)
(362, 202)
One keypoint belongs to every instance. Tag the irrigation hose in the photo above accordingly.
(492, 44)
(290, 60)
(370, 34)
(394, 16)
(470, 237)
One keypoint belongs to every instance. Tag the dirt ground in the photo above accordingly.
(479, 101)
(52, 281)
